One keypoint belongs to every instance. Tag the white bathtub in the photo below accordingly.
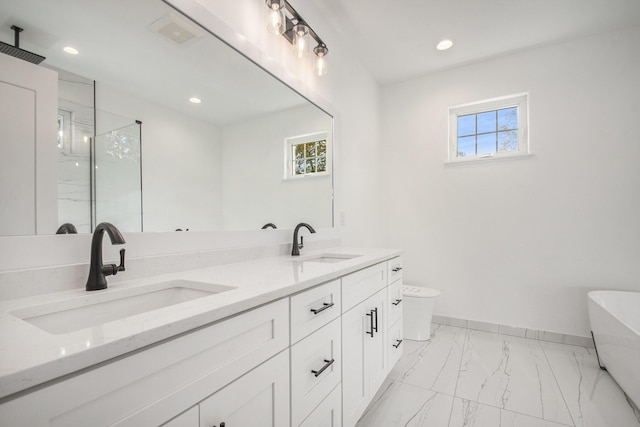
(615, 323)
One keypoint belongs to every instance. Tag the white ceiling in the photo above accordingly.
(396, 39)
(117, 49)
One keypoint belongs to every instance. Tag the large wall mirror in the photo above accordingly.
(133, 150)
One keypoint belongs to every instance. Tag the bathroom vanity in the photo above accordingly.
(284, 341)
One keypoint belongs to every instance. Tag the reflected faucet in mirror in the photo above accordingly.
(67, 228)
(269, 225)
(97, 271)
(295, 250)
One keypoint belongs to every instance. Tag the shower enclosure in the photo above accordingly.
(117, 177)
(99, 161)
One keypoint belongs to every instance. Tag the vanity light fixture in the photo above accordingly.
(70, 50)
(276, 23)
(282, 19)
(195, 100)
(444, 44)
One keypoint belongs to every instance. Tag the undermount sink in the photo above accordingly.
(330, 258)
(96, 309)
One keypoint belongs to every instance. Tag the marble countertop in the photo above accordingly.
(30, 356)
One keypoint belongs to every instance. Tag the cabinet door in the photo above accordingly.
(376, 351)
(259, 398)
(315, 370)
(363, 355)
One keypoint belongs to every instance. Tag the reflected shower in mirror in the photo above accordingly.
(226, 163)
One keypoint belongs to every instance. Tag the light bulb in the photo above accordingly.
(276, 23)
(320, 63)
(300, 46)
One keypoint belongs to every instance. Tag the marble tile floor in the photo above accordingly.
(463, 377)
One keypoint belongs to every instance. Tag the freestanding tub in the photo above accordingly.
(615, 322)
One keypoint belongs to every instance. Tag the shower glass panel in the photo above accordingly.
(117, 180)
(75, 132)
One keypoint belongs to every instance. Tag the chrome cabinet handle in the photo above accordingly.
(325, 305)
(397, 302)
(321, 370)
(396, 269)
(397, 344)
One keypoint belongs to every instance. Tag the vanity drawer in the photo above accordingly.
(395, 345)
(394, 266)
(395, 302)
(315, 369)
(314, 308)
(358, 286)
(328, 413)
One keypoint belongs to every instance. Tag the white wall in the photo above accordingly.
(521, 242)
(255, 192)
(182, 164)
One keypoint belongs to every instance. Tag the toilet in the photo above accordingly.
(418, 310)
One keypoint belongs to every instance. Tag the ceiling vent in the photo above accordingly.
(176, 29)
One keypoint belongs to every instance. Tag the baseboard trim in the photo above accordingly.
(514, 331)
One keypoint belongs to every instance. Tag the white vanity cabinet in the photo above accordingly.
(151, 386)
(311, 359)
(364, 342)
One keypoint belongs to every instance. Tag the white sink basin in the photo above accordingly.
(330, 258)
(95, 309)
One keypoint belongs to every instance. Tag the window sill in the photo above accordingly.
(314, 176)
(477, 160)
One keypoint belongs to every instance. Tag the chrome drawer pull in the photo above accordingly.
(395, 270)
(398, 301)
(397, 344)
(327, 364)
(325, 305)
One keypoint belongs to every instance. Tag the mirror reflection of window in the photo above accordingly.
(307, 155)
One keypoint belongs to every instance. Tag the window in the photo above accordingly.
(307, 155)
(489, 129)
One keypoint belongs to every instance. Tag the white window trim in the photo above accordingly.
(299, 139)
(520, 100)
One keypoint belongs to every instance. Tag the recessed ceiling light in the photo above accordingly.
(195, 100)
(444, 45)
(70, 50)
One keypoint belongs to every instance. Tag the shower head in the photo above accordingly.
(16, 52)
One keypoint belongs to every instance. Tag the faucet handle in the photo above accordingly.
(121, 266)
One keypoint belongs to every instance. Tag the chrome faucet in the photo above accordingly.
(269, 225)
(295, 250)
(98, 272)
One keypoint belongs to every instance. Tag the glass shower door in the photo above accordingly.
(117, 177)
